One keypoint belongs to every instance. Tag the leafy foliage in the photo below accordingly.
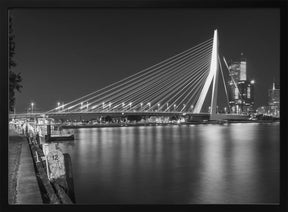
(15, 79)
(134, 118)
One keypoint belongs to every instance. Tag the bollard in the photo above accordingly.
(37, 157)
(37, 139)
(26, 129)
(45, 149)
(29, 140)
(48, 132)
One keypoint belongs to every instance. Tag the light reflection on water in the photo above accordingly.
(201, 164)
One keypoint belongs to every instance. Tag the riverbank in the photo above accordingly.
(23, 187)
(14, 150)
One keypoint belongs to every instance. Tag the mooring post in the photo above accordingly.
(37, 138)
(37, 157)
(48, 132)
(26, 129)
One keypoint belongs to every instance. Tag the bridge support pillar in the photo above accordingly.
(215, 70)
(213, 76)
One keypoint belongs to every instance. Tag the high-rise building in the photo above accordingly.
(274, 101)
(238, 69)
(241, 91)
(274, 96)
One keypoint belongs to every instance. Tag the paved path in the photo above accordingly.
(28, 191)
(14, 152)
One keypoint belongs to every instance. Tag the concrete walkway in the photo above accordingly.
(28, 191)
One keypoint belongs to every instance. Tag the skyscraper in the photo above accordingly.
(238, 69)
(274, 101)
(241, 90)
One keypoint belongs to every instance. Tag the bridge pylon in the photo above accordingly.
(212, 76)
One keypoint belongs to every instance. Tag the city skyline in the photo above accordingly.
(65, 54)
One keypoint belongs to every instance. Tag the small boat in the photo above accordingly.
(63, 137)
(223, 122)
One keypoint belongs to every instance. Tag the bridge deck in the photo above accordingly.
(87, 115)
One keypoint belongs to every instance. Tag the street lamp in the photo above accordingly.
(158, 106)
(58, 106)
(149, 104)
(81, 106)
(141, 105)
(32, 104)
(130, 105)
(175, 107)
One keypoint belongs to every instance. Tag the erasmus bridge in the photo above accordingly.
(176, 86)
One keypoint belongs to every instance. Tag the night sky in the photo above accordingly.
(64, 54)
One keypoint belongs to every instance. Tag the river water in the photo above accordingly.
(188, 164)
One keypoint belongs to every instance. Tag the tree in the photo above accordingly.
(134, 117)
(173, 118)
(108, 119)
(14, 78)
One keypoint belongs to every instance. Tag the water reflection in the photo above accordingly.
(200, 164)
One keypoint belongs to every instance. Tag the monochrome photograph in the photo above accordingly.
(144, 106)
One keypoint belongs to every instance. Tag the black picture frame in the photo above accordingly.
(6, 5)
